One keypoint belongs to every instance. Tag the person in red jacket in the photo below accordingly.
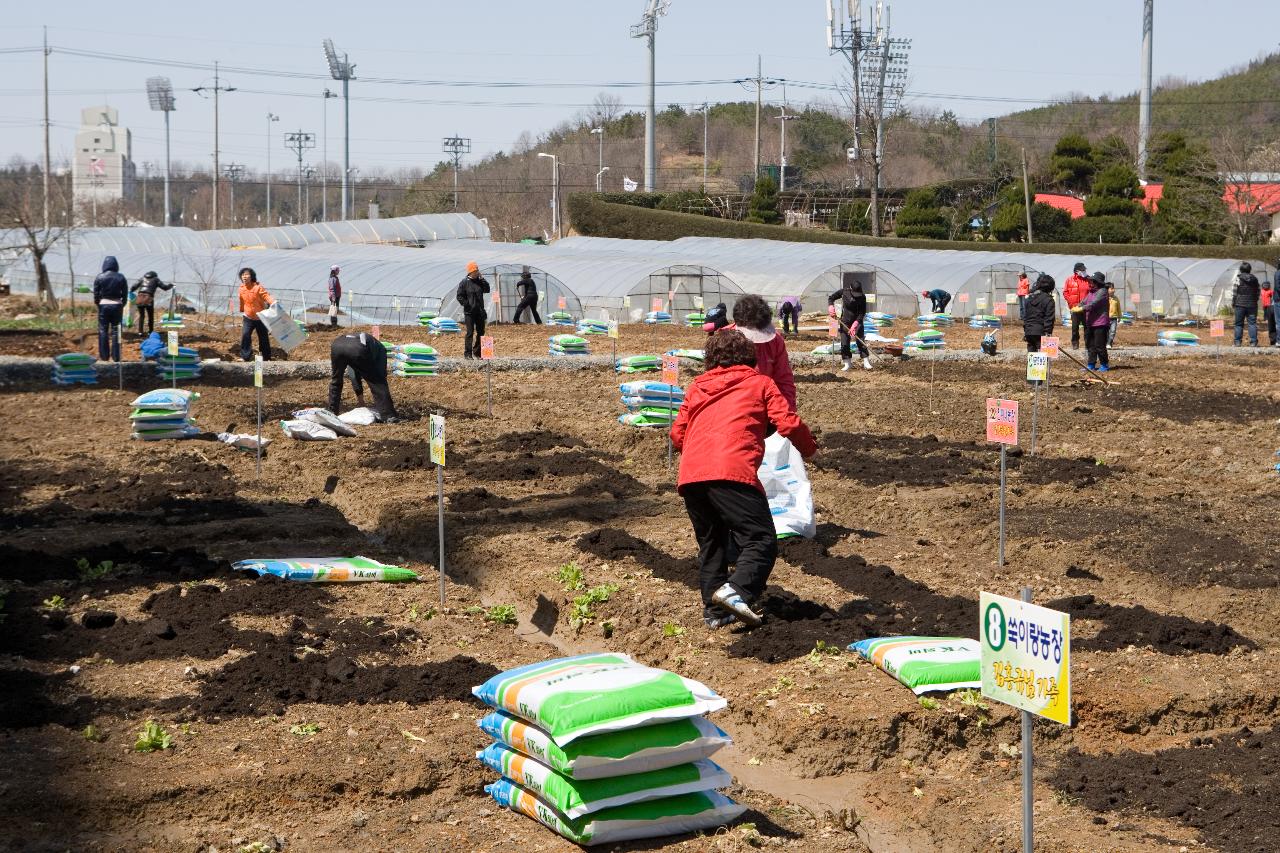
(1269, 310)
(752, 317)
(1024, 290)
(1074, 290)
(720, 434)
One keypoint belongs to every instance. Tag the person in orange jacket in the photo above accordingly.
(720, 434)
(1024, 290)
(253, 298)
(1074, 291)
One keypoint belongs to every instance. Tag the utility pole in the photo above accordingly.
(308, 175)
(991, 143)
(782, 150)
(342, 69)
(297, 142)
(270, 118)
(1026, 195)
(455, 147)
(46, 128)
(647, 29)
(755, 175)
(1144, 94)
(233, 172)
(324, 159)
(600, 168)
(146, 173)
(705, 109)
(217, 89)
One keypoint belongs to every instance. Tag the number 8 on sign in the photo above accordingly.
(995, 627)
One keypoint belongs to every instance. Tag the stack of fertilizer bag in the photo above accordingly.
(559, 318)
(832, 348)
(164, 413)
(690, 354)
(442, 326)
(593, 327)
(72, 367)
(425, 317)
(650, 404)
(926, 664)
(1191, 323)
(638, 364)
(933, 321)
(567, 345)
(984, 321)
(695, 319)
(1126, 318)
(874, 321)
(1177, 338)
(170, 321)
(602, 750)
(414, 359)
(923, 340)
(316, 424)
(658, 318)
(184, 365)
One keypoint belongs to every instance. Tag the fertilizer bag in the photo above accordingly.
(652, 819)
(611, 753)
(574, 798)
(588, 694)
(926, 663)
(786, 485)
(326, 419)
(282, 327)
(307, 431)
(173, 399)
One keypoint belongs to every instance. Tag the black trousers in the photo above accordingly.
(475, 331)
(1033, 342)
(790, 319)
(1077, 324)
(531, 303)
(1095, 339)
(247, 328)
(336, 303)
(725, 514)
(1270, 314)
(348, 352)
(846, 351)
(147, 312)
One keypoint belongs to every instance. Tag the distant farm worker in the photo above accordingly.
(789, 313)
(1097, 324)
(471, 293)
(527, 290)
(110, 293)
(364, 358)
(720, 433)
(938, 298)
(1269, 311)
(752, 317)
(145, 301)
(253, 298)
(1024, 290)
(1113, 313)
(1244, 301)
(1038, 314)
(717, 318)
(1074, 290)
(853, 310)
(335, 294)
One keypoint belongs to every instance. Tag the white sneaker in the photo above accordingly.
(845, 364)
(866, 364)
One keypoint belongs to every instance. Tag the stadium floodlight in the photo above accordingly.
(160, 96)
(342, 69)
(647, 29)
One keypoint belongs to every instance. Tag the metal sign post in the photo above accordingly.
(1049, 346)
(1218, 329)
(120, 349)
(437, 458)
(486, 354)
(1002, 428)
(257, 384)
(1037, 372)
(173, 355)
(671, 378)
(613, 339)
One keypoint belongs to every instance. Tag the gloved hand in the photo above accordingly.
(831, 310)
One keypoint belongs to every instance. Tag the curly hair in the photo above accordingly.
(752, 312)
(253, 276)
(727, 348)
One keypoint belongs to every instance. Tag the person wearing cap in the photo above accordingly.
(471, 293)
(145, 300)
(1094, 308)
(527, 290)
(789, 313)
(335, 294)
(938, 298)
(1074, 291)
(853, 309)
(1245, 303)
(364, 358)
(1024, 290)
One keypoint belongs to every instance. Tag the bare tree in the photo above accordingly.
(24, 229)
(1240, 165)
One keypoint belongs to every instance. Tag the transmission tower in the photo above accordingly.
(233, 171)
(297, 142)
(455, 147)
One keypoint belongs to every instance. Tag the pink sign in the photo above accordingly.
(1002, 421)
(1217, 328)
(657, 303)
(1135, 298)
(671, 369)
(1001, 309)
(486, 347)
(1049, 346)
(833, 327)
(964, 297)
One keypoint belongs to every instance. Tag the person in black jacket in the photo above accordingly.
(110, 292)
(1038, 312)
(471, 293)
(1245, 302)
(527, 290)
(365, 357)
(853, 304)
(145, 301)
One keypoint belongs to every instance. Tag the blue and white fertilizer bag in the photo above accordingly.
(786, 485)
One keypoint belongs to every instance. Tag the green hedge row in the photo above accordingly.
(591, 216)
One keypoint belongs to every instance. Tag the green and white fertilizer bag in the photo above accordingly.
(588, 694)
(926, 663)
(574, 798)
(163, 414)
(639, 419)
(326, 569)
(638, 363)
(326, 419)
(786, 485)
(173, 399)
(698, 812)
(72, 367)
(826, 349)
(612, 753)
(691, 354)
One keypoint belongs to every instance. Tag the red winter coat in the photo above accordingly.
(721, 427)
(1075, 290)
(772, 360)
(1024, 286)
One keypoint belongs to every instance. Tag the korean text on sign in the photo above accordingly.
(1026, 656)
(1002, 421)
(437, 440)
(671, 369)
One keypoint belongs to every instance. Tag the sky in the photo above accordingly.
(539, 63)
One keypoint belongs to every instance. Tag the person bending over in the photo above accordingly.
(365, 358)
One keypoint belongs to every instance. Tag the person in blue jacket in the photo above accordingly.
(939, 297)
(110, 293)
